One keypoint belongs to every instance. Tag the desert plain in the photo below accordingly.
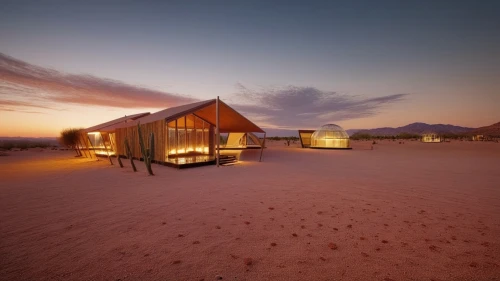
(411, 211)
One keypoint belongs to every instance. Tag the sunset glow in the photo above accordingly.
(66, 64)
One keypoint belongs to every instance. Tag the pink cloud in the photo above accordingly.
(26, 85)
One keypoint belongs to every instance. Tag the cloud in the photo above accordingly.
(33, 89)
(34, 86)
(306, 107)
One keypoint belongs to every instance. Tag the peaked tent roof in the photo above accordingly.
(229, 121)
(120, 120)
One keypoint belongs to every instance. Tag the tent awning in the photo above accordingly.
(118, 121)
(229, 119)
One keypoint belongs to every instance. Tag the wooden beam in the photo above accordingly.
(86, 145)
(93, 148)
(217, 132)
(105, 147)
(262, 147)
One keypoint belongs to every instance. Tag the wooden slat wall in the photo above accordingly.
(157, 127)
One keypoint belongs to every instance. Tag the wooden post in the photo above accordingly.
(80, 144)
(105, 147)
(93, 148)
(217, 132)
(262, 147)
(114, 147)
(86, 145)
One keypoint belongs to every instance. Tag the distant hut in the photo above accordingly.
(431, 138)
(478, 138)
(330, 136)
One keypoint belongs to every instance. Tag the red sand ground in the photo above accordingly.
(399, 212)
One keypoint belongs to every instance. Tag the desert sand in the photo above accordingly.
(408, 211)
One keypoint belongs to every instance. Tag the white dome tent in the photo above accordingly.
(330, 136)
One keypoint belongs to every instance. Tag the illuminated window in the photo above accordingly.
(188, 135)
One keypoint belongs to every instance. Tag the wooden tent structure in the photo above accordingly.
(184, 136)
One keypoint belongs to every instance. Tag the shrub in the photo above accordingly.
(69, 137)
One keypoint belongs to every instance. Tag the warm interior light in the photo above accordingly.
(104, 152)
(190, 149)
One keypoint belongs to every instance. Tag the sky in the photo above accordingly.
(283, 64)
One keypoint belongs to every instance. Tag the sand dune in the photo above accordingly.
(408, 211)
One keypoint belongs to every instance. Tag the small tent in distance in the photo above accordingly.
(431, 138)
(329, 136)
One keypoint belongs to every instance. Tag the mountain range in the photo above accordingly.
(414, 128)
(492, 130)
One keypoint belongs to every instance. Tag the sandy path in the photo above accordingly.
(400, 212)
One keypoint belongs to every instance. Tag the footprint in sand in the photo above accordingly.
(433, 248)
(332, 246)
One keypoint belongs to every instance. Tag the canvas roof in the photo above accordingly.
(230, 120)
(120, 120)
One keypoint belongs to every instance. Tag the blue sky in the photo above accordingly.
(428, 61)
